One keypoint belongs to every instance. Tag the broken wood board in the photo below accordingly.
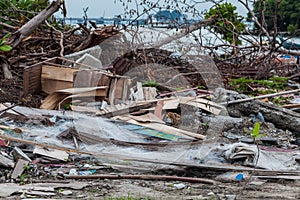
(19, 168)
(120, 109)
(149, 117)
(162, 128)
(52, 153)
(153, 133)
(169, 104)
(7, 189)
(112, 110)
(6, 162)
(296, 105)
(118, 90)
(32, 75)
(149, 93)
(59, 97)
(56, 78)
(203, 104)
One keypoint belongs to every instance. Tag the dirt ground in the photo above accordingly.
(165, 190)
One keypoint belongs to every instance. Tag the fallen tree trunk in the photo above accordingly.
(280, 117)
(30, 26)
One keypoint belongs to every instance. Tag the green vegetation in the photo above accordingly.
(21, 10)
(286, 13)
(253, 87)
(273, 84)
(151, 84)
(228, 22)
(255, 133)
(4, 47)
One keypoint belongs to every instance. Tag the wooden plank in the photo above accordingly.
(56, 78)
(19, 168)
(169, 104)
(32, 79)
(119, 89)
(125, 109)
(140, 92)
(126, 86)
(149, 117)
(52, 153)
(162, 128)
(57, 98)
(58, 73)
(296, 105)
(6, 162)
(112, 91)
(153, 133)
(49, 86)
(202, 104)
(149, 93)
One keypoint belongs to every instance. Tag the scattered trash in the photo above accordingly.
(109, 117)
(179, 186)
(239, 177)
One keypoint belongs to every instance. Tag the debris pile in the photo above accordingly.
(97, 109)
(92, 120)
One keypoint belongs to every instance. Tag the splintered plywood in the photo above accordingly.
(118, 90)
(56, 78)
(62, 97)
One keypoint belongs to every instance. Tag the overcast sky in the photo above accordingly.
(107, 8)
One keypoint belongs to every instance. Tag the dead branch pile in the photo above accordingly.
(45, 43)
(161, 66)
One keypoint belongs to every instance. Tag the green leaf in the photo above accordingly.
(255, 133)
(6, 36)
(5, 48)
